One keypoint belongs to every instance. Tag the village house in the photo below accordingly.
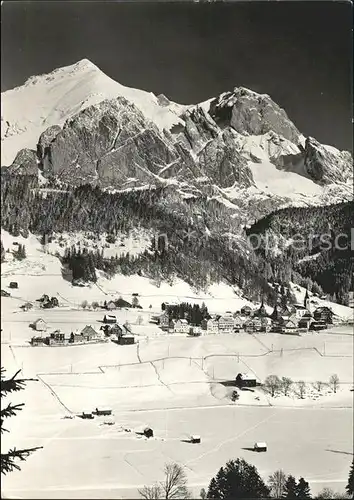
(89, 334)
(305, 320)
(290, 325)
(111, 305)
(40, 325)
(115, 330)
(226, 323)
(323, 314)
(210, 325)
(252, 325)
(246, 380)
(27, 306)
(238, 323)
(266, 324)
(57, 338)
(102, 411)
(181, 326)
(246, 311)
(76, 338)
(125, 339)
(164, 320)
(318, 325)
(109, 319)
(195, 331)
(300, 310)
(38, 341)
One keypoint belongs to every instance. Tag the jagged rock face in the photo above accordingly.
(135, 157)
(222, 162)
(108, 143)
(163, 100)
(25, 163)
(199, 128)
(326, 166)
(112, 143)
(45, 140)
(251, 113)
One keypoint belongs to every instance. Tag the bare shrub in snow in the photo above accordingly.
(276, 483)
(334, 382)
(272, 384)
(286, 384)
(135, 302)
(301, 387)
(173, 486)
(328, 494)
(318, 385)
(84, 304)
(151, 492)
(95, 305)
(175, 482)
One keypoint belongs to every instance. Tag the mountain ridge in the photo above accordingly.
(226, 136)
(236, 156)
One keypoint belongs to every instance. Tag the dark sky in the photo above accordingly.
(298, 52)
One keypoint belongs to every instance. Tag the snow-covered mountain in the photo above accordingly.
(51, 99)
(208, 169)
(79, 126)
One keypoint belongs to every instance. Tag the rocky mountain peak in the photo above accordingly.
(251, 113)
(325, 164)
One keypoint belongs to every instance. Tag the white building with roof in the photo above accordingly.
(181, 326)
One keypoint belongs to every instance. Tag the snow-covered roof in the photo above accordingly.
(184, 321)
(195, 436)
(247, 376)
(110, 316)
(261, 444)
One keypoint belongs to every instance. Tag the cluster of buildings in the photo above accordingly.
(87, 334)
(287, 319)
(120, 334)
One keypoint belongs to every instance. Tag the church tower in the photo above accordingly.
(307, 300)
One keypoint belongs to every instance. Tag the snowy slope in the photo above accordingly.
(51, 99)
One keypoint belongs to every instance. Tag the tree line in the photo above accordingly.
(192, 312)
(318, 251)
(240, 479)
(185, 248)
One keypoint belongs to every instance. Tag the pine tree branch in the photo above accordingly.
(12, 384)
(9, 411)
(8, 459)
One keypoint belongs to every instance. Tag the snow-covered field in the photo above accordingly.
(175, 384)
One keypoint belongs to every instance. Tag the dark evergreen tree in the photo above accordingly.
(275, 316)
(350, 486)
(307, 298)
(290, 488)
(237, 479)
(303, 489)
(2, 252)
(20, 253)
(8, 386)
